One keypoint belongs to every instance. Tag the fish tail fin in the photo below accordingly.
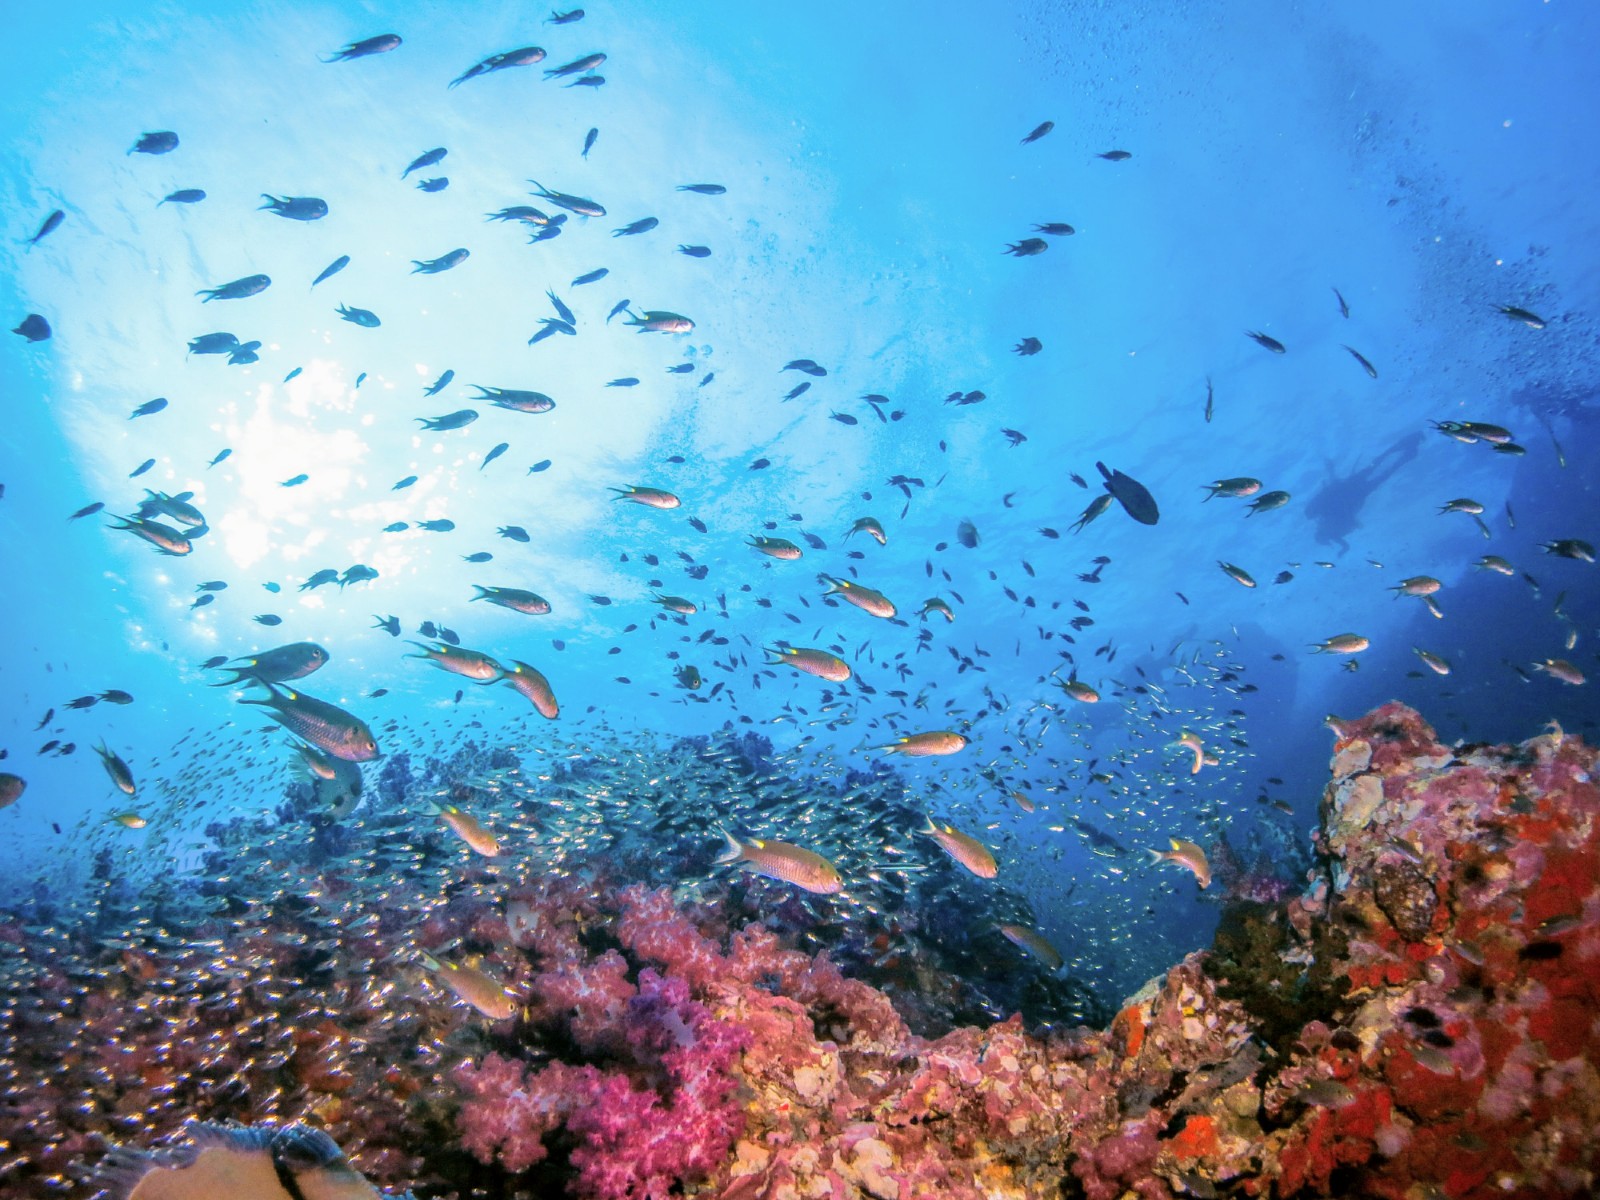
(932, 827)
(429, 962)
(734, 850)
(483, 592)
(1157, 855)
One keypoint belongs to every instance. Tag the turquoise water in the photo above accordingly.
(1430, 166)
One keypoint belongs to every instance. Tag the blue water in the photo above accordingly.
(1430, 165)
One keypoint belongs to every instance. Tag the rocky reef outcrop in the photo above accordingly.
(1422, 1021)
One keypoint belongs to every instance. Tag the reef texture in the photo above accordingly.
(1422, 1022)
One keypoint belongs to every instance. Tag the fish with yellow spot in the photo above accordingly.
(804, 868)
(472, 986)
(128, 819)
(869, 601)
(813, 662)
(964, 848)
(648, 496)
(1342, 643)
(781, 549)
(870, 527)
(1079, 691)
(121, 776)
(1417, 585)
(324, 725)
(467, 827)
(1033, 943)
(1433, 662)
(926, 745)
(933, 604)
(1560, 668)
(1186, 855)
(1191, 741)
(457, 660)
(533, 687)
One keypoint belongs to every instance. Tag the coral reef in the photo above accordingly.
(1420, 1021)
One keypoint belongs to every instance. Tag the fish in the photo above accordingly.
(1028, 346)
(703, 189)
(565, 18)
(577, 204)
(1079, 691)
(1360, 358)
(532, 686)
(813, 662)
(238, 289)
(688, 677)
(1237, 574)
(389, 624)
(296, 481)
(129, 818)
(1344, 309)
(1573, 548)
(1027, 247)
(433, 266)
(1115, 155)
(267, 619)
(213, 343)
(459, 419)
(332, 269)
(1520, 315)
(660, 321)
(515, 399)
(589, 140)
(472, 987)
(1267, 502)
(934, 744)
(88, 510)
(295, 208)
(805, 869)
(935, 605)
(426, 159)
(780, 548)
(1038, 132)
(676, 604)
(514, 532)
(381, 44)
(33, 327)
(964, 848)
(121, 776)
(363, 317)
(650, 497)
(1434, 663)
(493, 454)
(404, 483)
(11, 788)
(515, 599)
(695, 251)
(1033, 943)
(182, 196)
(643, 225)
(467, 827)
(324, 725)
(49, 225)
(1265, 342)
(1417, 585)
(1560, 668)
(869, 601)
(1135, 499)
(587, 63)
(165, 539)
(526, 56)
(594, 276)
(469, 664)
(1342, 643)
(967, 535)
(1186, 855)
(439, 384)
(163, 141)
(283, 664)
(1241, 485)
(871, 527)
